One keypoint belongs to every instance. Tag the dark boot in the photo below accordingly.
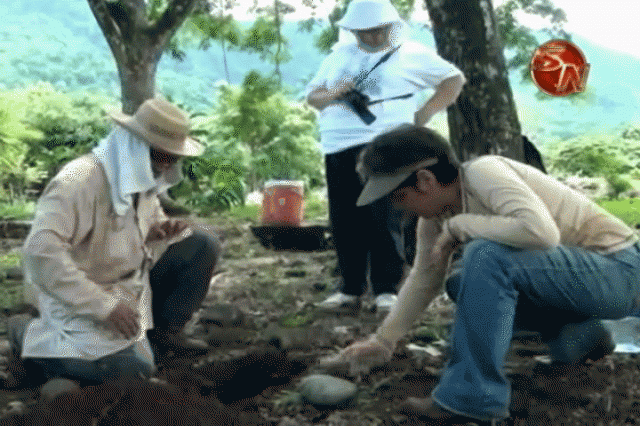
(169, 345)
(426, 410)
(578, 342)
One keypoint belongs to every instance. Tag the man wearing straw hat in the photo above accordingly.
(106, 263)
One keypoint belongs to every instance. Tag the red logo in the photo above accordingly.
(559, 68)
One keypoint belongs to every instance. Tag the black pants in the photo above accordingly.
(363, 241)
(180, 280)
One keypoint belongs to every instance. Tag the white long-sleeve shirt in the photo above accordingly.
(83, 259)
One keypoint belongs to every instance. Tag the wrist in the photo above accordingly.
(389, 345)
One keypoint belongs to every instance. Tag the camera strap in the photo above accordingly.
(384, 58)
(377, 101)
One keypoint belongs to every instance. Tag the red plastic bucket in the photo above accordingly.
(282, 202)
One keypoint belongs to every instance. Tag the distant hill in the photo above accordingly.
(64, 45)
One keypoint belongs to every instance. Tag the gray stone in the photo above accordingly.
(222, 315)
(56, 387)
(322, 389)
(14, 408)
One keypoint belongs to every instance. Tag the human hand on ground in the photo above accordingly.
(124, 320)
(362, 355)
(165, 230)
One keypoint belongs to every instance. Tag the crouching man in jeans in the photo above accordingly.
(108, 266)
(537, 256)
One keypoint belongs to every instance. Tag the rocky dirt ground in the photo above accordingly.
(259, 316)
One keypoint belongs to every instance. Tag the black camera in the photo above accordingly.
(358, 102)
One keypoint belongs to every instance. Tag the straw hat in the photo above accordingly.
(365, 14)
(163, 125)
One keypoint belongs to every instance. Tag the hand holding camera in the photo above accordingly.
(358, 102)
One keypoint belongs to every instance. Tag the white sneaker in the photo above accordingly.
(385, 301)
(338, 300)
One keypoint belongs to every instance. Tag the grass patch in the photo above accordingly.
(316, 207)
(249, 212)
(11, 294)
(9, 260)
(628, 210)
(17, 210)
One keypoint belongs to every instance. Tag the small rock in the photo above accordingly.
(55, 387)
(14, 408)
(326, 390)
(5, 347)
(222, 315)
(298, 420)
(419, 350)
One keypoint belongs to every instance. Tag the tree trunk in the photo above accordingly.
(484, 118)
(137, 43)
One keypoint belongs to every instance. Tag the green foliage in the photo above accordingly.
(631, 131)
(271, 136)
(315, 207)
(15, 174)
(255, 133)
(11, 294)
(8, 260)
(595, 155)
(17, 209)
(212, 182)
(217, 28)
(265, 36)
(520, 40)
(614, 157)
(71, 124)
(298, 319)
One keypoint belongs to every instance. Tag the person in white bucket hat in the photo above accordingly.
(373, 56)
(116, 280)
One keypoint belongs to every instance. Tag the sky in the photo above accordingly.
(611, 23)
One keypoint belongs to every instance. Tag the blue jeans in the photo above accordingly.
(124, 364)
(501, 288)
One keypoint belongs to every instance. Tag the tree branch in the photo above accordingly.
(109, 24)
(175, 14)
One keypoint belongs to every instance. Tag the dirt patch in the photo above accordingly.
(251, 378)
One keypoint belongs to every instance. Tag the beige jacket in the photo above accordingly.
(83, 259)
(510, 203)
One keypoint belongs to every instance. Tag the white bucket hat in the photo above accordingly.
(365, 14)
(163, 125)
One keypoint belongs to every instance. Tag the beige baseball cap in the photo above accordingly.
(381, 185)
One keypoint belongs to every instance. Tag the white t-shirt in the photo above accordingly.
(412, 68)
